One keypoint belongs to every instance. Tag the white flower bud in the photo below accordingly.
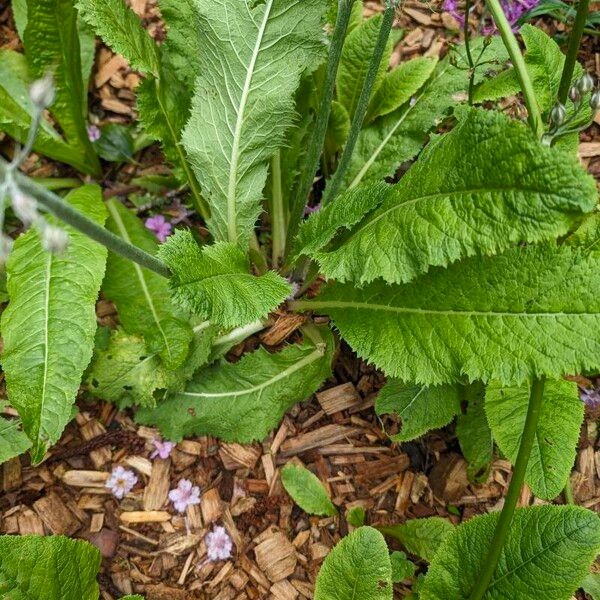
(574, 95)
(42, 91)
(6, 245)
(54, 239)
(25, 206)
(558, 114)
(585, 84)
(595, 101)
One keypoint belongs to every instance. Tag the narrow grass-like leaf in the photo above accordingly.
(307, 491)
(49, 325)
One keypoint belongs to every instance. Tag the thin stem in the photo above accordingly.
(278, 211)
(514, 491)
(574, 42)
(363, 102)
(317, 137)
(569, 498)
(60, 209)
(512, 46)
(471, 63)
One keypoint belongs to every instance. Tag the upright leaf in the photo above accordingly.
(51, 42)
(35, 567)
(485, 318)
(557, 433)
(307, 491)
(12, 439)
(215, 282)
(52, 299)
(242, 402)
(546, 555)
(358, 568)
(591, 585)
(421, 408)
(141, 296)
(455, 202)
(249, 68)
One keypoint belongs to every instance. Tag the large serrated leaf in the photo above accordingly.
(49, 325)
(249, 68)
(480, 189)
(485, 318)
(12, 439)
(48, 568)
(215, 282)
(242, 402)
(358, 568)
(141, 296)
(307, 491)
(546, 555)
(557, 432)
(421, 408)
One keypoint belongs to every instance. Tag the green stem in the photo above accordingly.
(363, 101)
(467, 36)
(278, 211)
(569, 498)
(512, 46)
(60, 209)
(514, 491)
(317, 137)
(574, 42)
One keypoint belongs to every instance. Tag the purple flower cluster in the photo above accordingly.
(513, 9)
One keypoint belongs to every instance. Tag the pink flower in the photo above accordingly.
(184, 495)
(218, 544)
(160, 227)
(163, 449)
(93, 132)
(121, 482)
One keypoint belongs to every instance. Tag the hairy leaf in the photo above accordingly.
(546, 555)
(481, 188)
(358, 568)
(36, 567)
(215, 282)
(421, 537)
(12, 439)
(121, 29)
(48, 327)
(141, 296)
(484, 318)
(557, 433)
(242, 402)
(307, 491)
(51, 42)
(474, 434)
(420, 408)
(356, 516)
(249, 68)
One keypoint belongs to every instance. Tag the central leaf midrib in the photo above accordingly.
(48, 274)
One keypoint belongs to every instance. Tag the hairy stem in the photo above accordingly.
(574, 42)
(317, 137)
(471, 63)
(512, 46)
(278, 211)
(569, 498)
(514, 491)
(363, 101)
(60, 209)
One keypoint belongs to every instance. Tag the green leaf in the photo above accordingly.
(356, 516)
(215, 282)
(400, 85)
(421, 537)
(47, 568)
(51, 29)
(134, 597)
(484, 318)
(12, 439)
(557, 433)
(141, 296)
(402, 568)
(587, 236)
(456, 202)
(115, 143)
(474, 434)
(249, 69)
(591, 585)
(242, 402)
(358, 568)
(53, 299)
(307, 491)
(121, 29)
(546, 555)
(16, 110)
(356, 55)
(338, 128)
(420, 408)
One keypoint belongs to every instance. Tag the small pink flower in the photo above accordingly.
(160, 227)
(218, 544)
(121, 482)
(163, 449)
(309, 210)
(184, 495)
(93, 132)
